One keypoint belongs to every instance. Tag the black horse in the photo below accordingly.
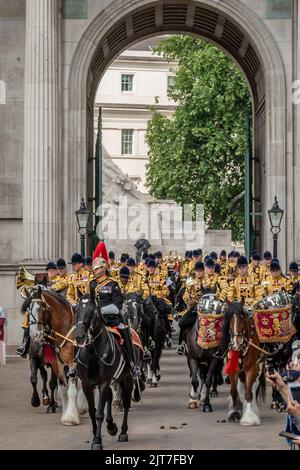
(101, 361)
(203, 365)
(156, 311)
(36, 360)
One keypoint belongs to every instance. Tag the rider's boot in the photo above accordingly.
(181, 346)
(24, 348)
(135, 370)
(147, 354)
(151, 344)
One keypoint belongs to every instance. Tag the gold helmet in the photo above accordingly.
(99, 263)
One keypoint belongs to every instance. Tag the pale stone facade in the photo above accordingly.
(131, 110)
(47, 123)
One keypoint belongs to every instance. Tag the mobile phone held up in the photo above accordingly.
(289, 435)
(270, 365)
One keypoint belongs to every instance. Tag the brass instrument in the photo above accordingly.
(24, 281)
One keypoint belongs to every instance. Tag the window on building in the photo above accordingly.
(126, 82)
(127, 141)
(171, 81)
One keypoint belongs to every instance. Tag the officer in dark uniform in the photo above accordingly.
(110, 299)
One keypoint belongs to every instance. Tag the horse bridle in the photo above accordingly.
(92, 339)
(244, 342)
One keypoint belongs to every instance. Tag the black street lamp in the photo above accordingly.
(275, 216)
(82, 216)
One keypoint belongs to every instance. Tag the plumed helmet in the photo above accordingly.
(99, 263)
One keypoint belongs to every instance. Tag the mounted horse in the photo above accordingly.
(101, 362)
(38, 363)
(245, 365)
(202, 341)
(54, 328)
(155, 308)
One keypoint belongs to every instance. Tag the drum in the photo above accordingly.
(209, 304)
(277, 300)
(273, 318)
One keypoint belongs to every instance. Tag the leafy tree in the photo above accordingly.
(197, 156)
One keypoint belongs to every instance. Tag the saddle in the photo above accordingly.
(135, 337)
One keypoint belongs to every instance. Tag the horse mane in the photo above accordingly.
(235, 308)
(58, 297)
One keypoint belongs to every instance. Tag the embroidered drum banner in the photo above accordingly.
(210, 330)
(274, 325)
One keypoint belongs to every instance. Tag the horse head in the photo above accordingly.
(237, 320)
(84, 319)
(133, 309)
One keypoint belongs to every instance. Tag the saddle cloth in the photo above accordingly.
(274, 325)
(210, 330)
(135, 337)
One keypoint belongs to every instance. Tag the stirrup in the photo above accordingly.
(219, 355)
(147, 355)
(21, 351)
(135, 371)
(180, 349)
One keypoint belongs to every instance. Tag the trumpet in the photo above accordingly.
(24, 278)
(24, 281)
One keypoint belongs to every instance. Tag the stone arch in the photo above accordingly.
(229, 24)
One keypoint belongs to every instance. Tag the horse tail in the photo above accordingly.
(92, 365)
(261, 389)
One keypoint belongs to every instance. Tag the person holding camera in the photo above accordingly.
(285, 384)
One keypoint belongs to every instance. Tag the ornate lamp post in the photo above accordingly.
(82, 216)
(275, 216)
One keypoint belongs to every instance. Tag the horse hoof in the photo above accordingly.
(207, 408)
(35, 401)
(275, 405)
(123, 437)
(96, 446)
(51, 409)
(72, 420)
(112, 429)
(46, 401)
(234, 417)
(192, 405)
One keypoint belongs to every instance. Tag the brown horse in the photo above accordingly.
(247, 377)
(55, 321)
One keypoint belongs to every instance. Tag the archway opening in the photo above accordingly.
(136, 104)
(235, 29)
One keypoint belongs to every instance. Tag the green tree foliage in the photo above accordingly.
(197, 156)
